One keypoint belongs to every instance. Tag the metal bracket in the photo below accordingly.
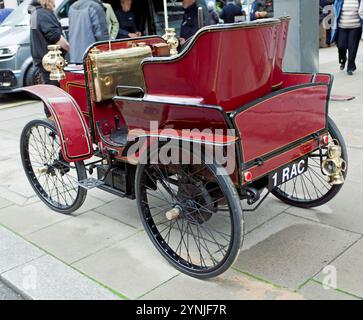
(90, 183)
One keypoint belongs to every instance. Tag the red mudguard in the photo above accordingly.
(71, 126)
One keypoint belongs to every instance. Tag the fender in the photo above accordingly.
(71, 126)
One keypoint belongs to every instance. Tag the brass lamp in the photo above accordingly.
(334, 165)
(54, 63)
(171, 40)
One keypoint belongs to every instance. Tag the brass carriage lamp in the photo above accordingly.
(54, 63)
(334, 165)
(171, 40)
(170, 34)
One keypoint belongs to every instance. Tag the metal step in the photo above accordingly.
(90, 183)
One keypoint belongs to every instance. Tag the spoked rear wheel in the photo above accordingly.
(192, 215)
(53, 179)
(312, 189)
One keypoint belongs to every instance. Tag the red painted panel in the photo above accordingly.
(227, 67)
(283, 158)
(139, 114)
(282, 119)
(283, 30)
(69, 121)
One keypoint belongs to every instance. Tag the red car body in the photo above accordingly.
(228, 77)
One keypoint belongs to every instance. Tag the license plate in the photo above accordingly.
(287, 173)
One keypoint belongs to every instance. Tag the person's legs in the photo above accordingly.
(46, 80)
(342, 44)
(353, 45)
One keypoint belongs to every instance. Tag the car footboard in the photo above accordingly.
(282, 127)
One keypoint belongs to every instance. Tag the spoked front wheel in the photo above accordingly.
(192, 214)
(312, 188)
(53, 179)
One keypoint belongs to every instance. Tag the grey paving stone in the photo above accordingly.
(230, 285)
(344, 211)
(14, 251)
(289, 250)
(103, 195)
(349, 267)
(132, 266)
(315, 291)
(12, 196)
(80, 236)
(4, 203)
(269, 209)
(123, 210)
(7, 294)
(47, 278)
(28, 219)
(90, 204)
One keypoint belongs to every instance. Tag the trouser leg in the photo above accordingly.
(342, 44)
(353, 45)
(46, 80)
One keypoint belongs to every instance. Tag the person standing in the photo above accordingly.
(347, 32)
(230, 11)
(45, 30)
(126, 20)
(190, 23)
(113, 25)
(213, 17)
(87, 25)
(261, 9)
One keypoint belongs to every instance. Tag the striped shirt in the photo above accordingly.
(349, 17)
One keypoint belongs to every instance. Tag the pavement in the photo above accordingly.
(102, 252)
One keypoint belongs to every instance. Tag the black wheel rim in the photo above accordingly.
(54, 180)
(199, 240)
(312, 186)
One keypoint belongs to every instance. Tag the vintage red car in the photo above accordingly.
(188, 136)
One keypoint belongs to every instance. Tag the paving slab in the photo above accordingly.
(123, 210)
(103, 195)
(7, 294)
(349, 270)
(12, 196)
(4, 203)
(132, 266)
(14, 251)
(231, 285)
(28, 219)
(78, 237)
(344, 211)
(289, 250)
(90, 203)
(268, 210)
(47, 278)
(315, 291)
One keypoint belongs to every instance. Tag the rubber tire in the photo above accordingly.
(80, 167)
(335, 134)
(230, 192)
(30, 77)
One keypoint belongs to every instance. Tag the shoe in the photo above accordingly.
(350, 72)
(342, 66)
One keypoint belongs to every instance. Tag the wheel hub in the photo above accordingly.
(196, 203)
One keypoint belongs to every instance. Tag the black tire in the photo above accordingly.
(305, 200)
(32, 77)
(205, 248)
(57, 187)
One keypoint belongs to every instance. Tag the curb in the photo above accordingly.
(36, 275)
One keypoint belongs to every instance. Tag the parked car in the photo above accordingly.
(16, 64)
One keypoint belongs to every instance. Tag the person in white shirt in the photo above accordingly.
(347, 32)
